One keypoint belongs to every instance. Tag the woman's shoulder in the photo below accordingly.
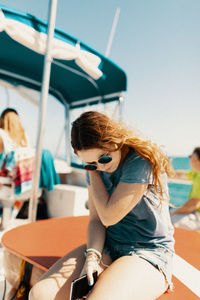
(8, 143)
(2, 131)
(4, 134)
(133, 158)
(136, 169)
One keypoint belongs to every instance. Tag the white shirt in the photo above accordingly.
(8, 143)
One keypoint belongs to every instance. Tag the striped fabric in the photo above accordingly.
(16, 168)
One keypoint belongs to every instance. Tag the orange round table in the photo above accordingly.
(43, 242)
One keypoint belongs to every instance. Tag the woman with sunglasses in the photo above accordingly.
(130, 236)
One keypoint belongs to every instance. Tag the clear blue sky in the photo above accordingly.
(157, 43)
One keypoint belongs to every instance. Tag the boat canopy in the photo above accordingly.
(79, 74)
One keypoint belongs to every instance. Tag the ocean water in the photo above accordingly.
(180, 162)
(179, 192)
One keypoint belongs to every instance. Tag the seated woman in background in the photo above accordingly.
(13, 138)
(188, 215)
(12, 133)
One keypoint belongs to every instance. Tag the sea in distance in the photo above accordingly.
(179, 192)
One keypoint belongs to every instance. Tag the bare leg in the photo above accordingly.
(129, 278)
(55, 283)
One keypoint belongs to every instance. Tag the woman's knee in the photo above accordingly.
(33, 294)
(36, 293)
(41, 291)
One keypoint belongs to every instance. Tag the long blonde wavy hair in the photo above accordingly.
(96, 130)
(10, 122)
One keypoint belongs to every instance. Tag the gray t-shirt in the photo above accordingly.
(147, 224)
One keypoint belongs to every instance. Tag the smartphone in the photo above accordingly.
(80, 287)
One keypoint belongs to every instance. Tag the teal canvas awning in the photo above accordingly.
(79, 74)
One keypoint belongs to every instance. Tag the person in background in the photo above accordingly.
(130, 236)
(188, 215)
(12, 133)
(13, 138)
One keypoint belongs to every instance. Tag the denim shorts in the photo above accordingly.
(159, 256)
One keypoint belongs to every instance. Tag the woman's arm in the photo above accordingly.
(180, 174)
(96, 230)
(190, 206)
(95, 240)
(111, 209)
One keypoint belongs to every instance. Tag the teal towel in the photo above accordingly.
(48, 175)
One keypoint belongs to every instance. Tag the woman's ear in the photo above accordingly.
(111, 146)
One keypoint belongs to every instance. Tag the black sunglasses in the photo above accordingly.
(102, 160)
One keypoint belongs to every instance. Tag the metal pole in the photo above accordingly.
(8, 97)
(121, 102)
(114, 25)
(68, 134)
(59, 142)
(42, 108)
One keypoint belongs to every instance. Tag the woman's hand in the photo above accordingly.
(91, 265)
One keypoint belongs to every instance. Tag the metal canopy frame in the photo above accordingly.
(71, 81)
